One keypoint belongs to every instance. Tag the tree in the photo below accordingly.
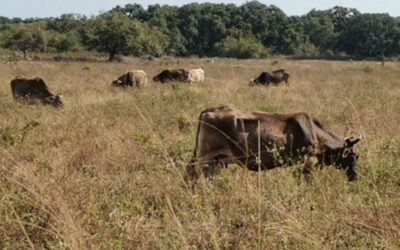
(319, 29)
(148, 40)
(115, 33)
(63, 42)
(270, 25)
(373, 35)
(25, 37)
(165, 18)
(111, 33)
(341, 17)
(243, 47)
(65, 23)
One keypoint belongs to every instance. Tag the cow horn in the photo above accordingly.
(51, 98)
(351, 141)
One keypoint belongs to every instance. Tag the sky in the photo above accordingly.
(55, 8)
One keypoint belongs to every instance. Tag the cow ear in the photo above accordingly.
(346, 152)
(51, 98)
(60, 96)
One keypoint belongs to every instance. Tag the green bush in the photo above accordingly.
(244, 47)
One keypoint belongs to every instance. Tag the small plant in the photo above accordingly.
(141, 137)
(367, 69)
(268, 107)
(15, 57)
(86, 68)
(12, 137)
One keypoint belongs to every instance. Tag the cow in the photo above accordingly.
(196, 75)
(133, 78)
(33, 90)
(260, 140)
(275, 77)
(167, 75)
(125, 80)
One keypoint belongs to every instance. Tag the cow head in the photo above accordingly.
(156, 78)
(117, 82)
(251, 82)
(55, 101)
(285, 77)
(345, 157)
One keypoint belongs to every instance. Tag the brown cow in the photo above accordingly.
(131, 78)
(33, 90)
(275, 77)
(226, 136)
(180, 75)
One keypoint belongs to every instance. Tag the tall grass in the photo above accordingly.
(106, 172)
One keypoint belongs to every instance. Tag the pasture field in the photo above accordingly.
(107, 171)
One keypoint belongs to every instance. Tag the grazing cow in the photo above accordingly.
(196, 75)
(180, 75)
(33, 90)
(131, 78)
(275, 77)
(225, 135)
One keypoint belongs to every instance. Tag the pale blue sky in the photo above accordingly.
(54, 8)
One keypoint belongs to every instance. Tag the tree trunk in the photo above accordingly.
(111, 57)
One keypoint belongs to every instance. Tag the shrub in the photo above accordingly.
(244, 47)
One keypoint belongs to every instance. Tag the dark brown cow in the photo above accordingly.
(275, 77)
(126, 79)
(226, 136)
(180, 75)
(33, 90)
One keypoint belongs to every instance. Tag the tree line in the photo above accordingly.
(251, 30)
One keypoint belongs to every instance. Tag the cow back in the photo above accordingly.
(32, 88)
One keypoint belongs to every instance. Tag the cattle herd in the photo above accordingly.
(256, 140)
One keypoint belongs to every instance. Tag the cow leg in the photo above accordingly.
(309, 164)
(213, 168)
(208, 169)
(351, 174)
(192, 171)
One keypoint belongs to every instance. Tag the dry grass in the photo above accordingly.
(106, 172)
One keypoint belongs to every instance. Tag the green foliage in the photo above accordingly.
(318, 26)
(13, 136)
(15, 57)
(241, 48)
(65, 23)
(110, 33)
(24, 37)
(141, 137)
(63, 42)
(148, 40)
(270, 25)
(202, 29)
(114, 33)
(371, 35)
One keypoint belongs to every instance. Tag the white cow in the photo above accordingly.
(196, 75)
(140, 78)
